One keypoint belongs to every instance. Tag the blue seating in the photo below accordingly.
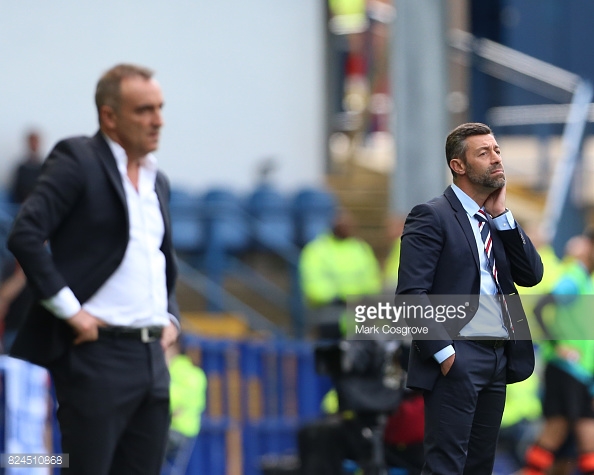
(265, 220)
(187, 222)
(5, 225)
(7, 205)
(273, 227)
(313, 210)
(227, 221)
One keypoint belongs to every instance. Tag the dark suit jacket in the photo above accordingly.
(79, 207)
(439, 256)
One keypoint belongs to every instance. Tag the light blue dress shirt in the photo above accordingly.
(488, 322)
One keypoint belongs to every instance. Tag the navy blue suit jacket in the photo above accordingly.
(439, 256)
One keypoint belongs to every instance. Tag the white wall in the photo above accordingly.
(242, 80)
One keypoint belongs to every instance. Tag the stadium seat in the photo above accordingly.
(313, 211)
(187, 222)
(227, 221)
(7, 205)
(273, 227)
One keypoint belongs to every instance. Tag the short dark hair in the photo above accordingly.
(108, 87)
(456, 142)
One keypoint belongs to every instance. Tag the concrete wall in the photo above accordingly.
(242, 80)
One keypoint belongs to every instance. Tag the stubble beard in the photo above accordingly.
(486, 179)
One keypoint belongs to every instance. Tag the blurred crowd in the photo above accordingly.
(548, 423)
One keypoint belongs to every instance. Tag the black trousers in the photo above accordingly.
(113, 407)
(463, 412)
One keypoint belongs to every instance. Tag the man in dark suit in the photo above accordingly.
(105, 285)
(447, 250)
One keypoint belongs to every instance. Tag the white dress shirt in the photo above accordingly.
(135, 295)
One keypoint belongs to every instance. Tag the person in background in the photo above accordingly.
(345, 434)
(521, 420)
(333, 267)
(187, 394)
(15, 296)
(553, 267)
(28, 168)
(394, 228)
(15, 300)
(569, 356)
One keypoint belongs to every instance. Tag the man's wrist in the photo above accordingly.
(173, 319)
(444, 354)
(63, 305)
(501, 214)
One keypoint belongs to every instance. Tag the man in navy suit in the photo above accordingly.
(463, 370)
(105, 306)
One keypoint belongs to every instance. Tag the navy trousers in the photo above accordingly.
(463, 412)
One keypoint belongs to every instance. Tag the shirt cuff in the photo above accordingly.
(505, 221)
(175, 321)
(444, 354)
(63, 305)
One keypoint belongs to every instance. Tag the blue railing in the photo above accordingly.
(259, 394)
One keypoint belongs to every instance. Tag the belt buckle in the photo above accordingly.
(145, 335)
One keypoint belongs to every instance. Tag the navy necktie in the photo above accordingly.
(485, 230)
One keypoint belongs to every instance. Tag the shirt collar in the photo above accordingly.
(149, 161)
(469, 205)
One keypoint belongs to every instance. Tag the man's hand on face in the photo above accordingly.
(495, 202)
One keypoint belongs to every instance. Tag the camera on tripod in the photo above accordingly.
(369, 382)
(367, 374)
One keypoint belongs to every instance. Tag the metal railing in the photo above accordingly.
(549, 81)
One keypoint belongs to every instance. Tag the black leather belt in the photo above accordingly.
(144, 334)
(489, 342)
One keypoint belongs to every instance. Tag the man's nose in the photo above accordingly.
(158, 119)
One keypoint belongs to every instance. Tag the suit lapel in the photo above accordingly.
(462, 218)
(109, 163)
(162, 195)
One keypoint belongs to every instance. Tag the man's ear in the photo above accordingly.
(458, 166)
(107, 116)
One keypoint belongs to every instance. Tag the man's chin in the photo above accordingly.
(495, 183)
(152, 147)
